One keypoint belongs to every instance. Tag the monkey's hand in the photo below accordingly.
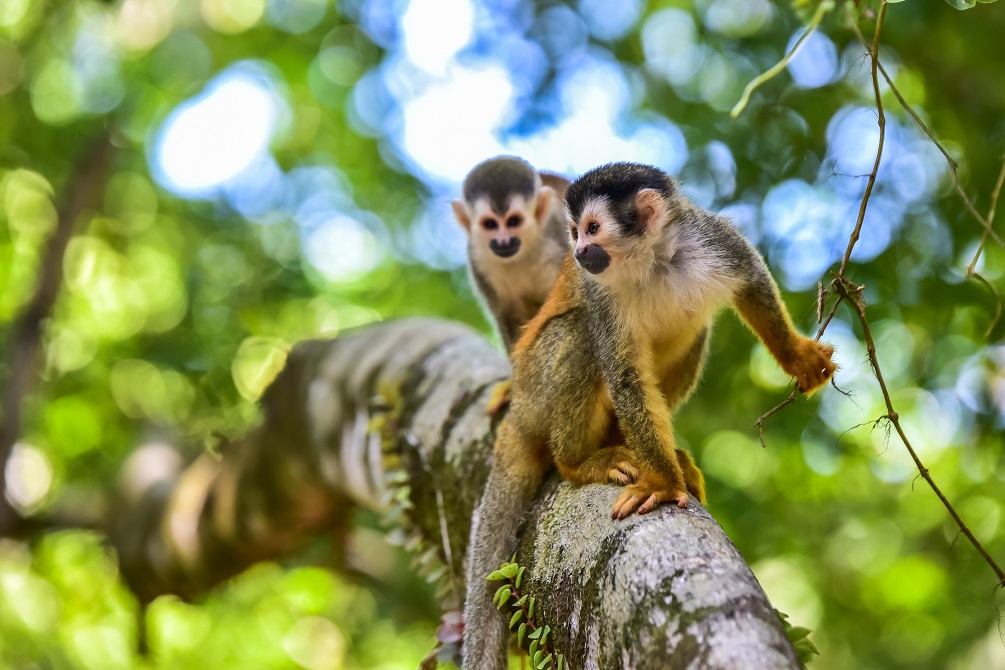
(645, 494)
(622, 468)
(610, 465)
(500, 397)
(812, 366)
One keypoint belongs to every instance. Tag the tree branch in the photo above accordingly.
(397, 412)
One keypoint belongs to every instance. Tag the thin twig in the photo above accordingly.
(874, 52)
(991, 219)
(953, 167)
(821, 297)
(998, 303)
(971, 272)
(764, 417)
(822, 10)
(856, 301)
(828, 318)
(82, 186)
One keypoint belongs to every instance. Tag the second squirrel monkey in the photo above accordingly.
(514, 218)
(617, 347)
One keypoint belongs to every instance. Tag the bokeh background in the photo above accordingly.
(282, 169)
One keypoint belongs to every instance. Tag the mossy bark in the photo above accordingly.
(393, 418)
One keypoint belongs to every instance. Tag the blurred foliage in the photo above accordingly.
(178, 306)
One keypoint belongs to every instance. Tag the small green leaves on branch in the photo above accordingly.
(799, 637)
(529, 630)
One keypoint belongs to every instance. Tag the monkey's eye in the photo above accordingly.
(513, 222)
(575, 232)
(490, 224)
(593, 228)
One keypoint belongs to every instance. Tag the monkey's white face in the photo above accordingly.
(607, 249)
(509, 236)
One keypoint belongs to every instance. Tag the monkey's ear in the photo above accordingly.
(461, 212)
(545, 196)
(652, 209)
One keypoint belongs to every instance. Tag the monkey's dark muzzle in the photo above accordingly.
(593, 259)
(505, 249)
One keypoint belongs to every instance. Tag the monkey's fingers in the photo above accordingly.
(814, 366)
(645, 499)
(499, 398)
(623, 472)
(618, 477)
(678, 497)
(626, 503)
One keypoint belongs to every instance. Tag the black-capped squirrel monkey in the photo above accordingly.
(514, 217)
(618, 346)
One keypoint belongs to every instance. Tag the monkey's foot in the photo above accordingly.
(813, 365)
(645, 496)
(499, 398)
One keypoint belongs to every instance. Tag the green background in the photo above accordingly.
(175, 310)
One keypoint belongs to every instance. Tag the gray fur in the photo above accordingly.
(499, 179)
(513, 290)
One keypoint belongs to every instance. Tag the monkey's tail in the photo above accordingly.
(515, 477)
(692, 475)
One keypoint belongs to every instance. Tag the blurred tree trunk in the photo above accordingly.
(83, 188)
(393, 418)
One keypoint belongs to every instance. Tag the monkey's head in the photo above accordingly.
(617, 215)
(504, 207)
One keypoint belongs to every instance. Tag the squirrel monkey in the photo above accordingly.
(515, 222)
(617, 347)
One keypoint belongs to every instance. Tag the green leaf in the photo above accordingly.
(544, 663)
(537, 658)
(504, 596)
(797, 633)
(509, 570)
(536, 635)
(533, 648)
(496, 576)
(961, 4)
(806, 650)
(516, 617)
(520, 633)
(521, 602)
(561, 662)
(530, 608)
(519, 577)
(544, 635)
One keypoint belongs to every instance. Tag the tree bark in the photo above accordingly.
(393, 418)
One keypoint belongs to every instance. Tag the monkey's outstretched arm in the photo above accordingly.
(516, 474)
(759, 304)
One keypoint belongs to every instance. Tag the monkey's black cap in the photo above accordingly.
(618, 183)
(499, 179)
